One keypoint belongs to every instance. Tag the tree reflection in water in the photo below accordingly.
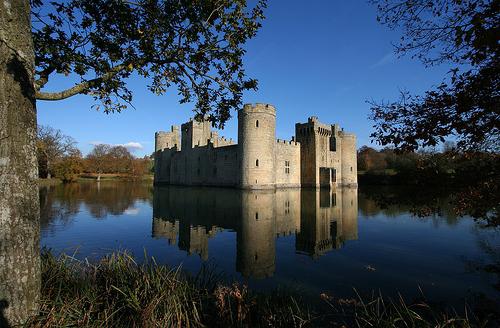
(439, 206)
(62, 202)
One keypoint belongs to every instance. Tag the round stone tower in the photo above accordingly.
(160, 141)
(256, 143)
(349, 160)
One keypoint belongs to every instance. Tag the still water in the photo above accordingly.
(313, 241)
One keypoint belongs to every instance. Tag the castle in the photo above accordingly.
(320, 155)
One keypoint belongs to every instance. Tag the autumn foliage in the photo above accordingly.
(58, 157)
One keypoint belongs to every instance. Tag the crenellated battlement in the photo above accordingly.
(343, 134)
(259, 108)
(288, 142)
(173, 149)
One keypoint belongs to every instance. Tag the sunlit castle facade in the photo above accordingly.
(320, 155)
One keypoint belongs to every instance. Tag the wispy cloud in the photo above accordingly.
(388, 58)
(131, 145)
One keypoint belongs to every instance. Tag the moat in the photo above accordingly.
(311, 240)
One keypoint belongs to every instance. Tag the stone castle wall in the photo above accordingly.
(205, 166)
(320, 155)
(287, 163)
(163, 164)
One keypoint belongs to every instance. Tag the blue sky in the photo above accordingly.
(318, 57)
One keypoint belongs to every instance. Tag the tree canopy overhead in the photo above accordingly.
(195, 45)
(464, 34)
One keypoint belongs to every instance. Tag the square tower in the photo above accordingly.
(195, 134)
(320, 153)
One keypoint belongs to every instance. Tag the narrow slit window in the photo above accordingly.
(257, 123)
(333, 144)
(257, 162)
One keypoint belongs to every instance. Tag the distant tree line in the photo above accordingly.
(470, 178)
(115, 159)
(428, 166)
(59, 157)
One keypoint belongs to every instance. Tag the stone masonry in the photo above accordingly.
(320, 155)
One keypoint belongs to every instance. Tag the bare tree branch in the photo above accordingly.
(81, 87)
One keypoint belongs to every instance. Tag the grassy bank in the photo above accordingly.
(115, 177)
(93, 177)
(118, 292)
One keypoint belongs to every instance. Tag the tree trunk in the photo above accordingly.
(19, 202)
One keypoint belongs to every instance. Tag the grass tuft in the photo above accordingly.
(116, 291)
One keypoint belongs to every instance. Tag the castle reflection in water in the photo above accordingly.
(321, 219)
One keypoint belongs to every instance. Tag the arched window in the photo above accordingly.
(257, 162)
(257, 123)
